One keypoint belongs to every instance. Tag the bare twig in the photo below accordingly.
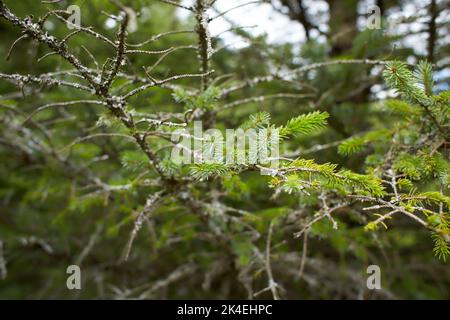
(13, 45)
(304, 252)
(272, 284)
(3, 270)
(87, 249)
(176, 4)
(148, 208)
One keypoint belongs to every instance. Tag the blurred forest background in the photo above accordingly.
(65, 199)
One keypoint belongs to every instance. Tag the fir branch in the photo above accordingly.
(305, 123)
